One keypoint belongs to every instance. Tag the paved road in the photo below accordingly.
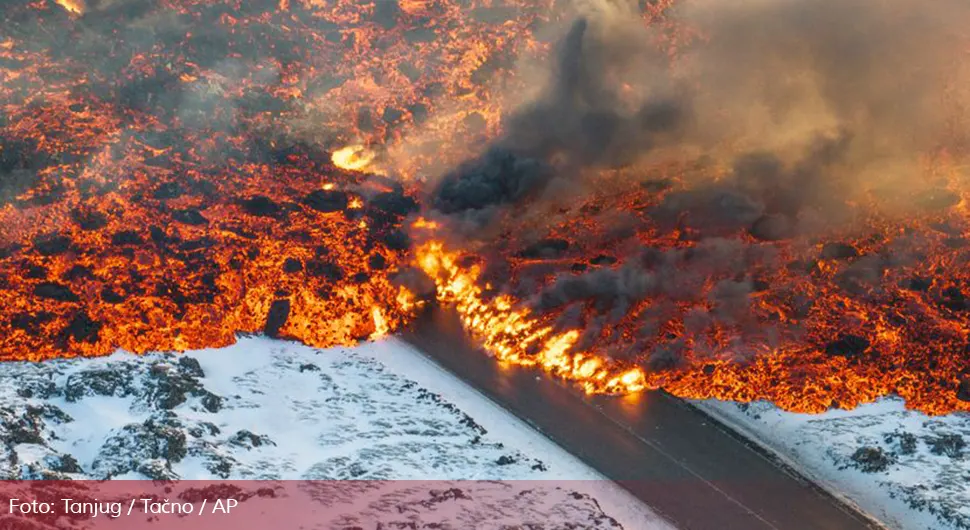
(674, 458)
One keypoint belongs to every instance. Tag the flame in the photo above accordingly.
(381, 326)
(75, 7)
(513, 335)
(353, 157)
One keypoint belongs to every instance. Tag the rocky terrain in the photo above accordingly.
(909, 469)
(273, 410)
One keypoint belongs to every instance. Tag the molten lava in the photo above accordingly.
(175, 173)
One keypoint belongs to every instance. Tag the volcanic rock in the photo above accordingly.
(327, 201)
(55, 291)
(110, 296)
(261, 206)
(279, 312)
(963, 389)
(954, 299)
(917, 283)
(250, 440)
(168, 190)
(90, 220)
(377, 262)
(189, 216)
(872, 459)
(394, 203)
(320, 268)
(292, 266)
(83, 329)
(838, 251)
(950, 445)
(771, 227)
(396, 240)
(126, 237)
(545, 249)
(52, 245)
(603, 259)
(847, 345)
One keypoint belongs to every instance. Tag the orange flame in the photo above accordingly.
(509, 333)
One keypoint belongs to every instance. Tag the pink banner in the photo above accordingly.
(345, 505)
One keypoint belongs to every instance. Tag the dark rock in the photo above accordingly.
(872, 459)
(847, 346)
(361, 277)
(250, 440)
(278, 314)
(327, 201)
(52, 245)
(307, 367)
(261, 206)
(82, 328)
(36, 272)
(377, 262)
(838, 251)
(917, 283)
(149, 448)
(292, 266)
(168, 190)
(603, 259)
(963, 389)
(907, 442)
(189, 216)
(320, 268)
(954, 299)
(392, 115)
(126, 237)
(64, 464)
(211, 402)
(579, 267)
(78, 272)
(386, 13)
(109, 296)
(772, 227)
(90, 220)
(545, 249)
(394, 203)
(103, 382)
(55, 291)
(950, 445)
(396, 240)
(190, 366)
(30, 322)
(505, 460)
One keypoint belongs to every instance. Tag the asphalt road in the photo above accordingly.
(687, 467)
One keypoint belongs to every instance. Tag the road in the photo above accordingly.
(687, 467)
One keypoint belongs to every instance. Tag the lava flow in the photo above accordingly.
(760, 200)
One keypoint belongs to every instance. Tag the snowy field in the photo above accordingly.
(272, 410)
(909, 470)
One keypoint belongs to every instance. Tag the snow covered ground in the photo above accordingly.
(909, 470)
(273, 410)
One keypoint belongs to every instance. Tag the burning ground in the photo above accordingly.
(747, 200)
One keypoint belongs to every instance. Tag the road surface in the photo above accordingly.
(680, 462)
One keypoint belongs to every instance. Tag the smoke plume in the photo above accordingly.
(796, 107)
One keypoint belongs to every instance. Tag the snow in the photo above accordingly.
(907, 469)
(275, 410)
